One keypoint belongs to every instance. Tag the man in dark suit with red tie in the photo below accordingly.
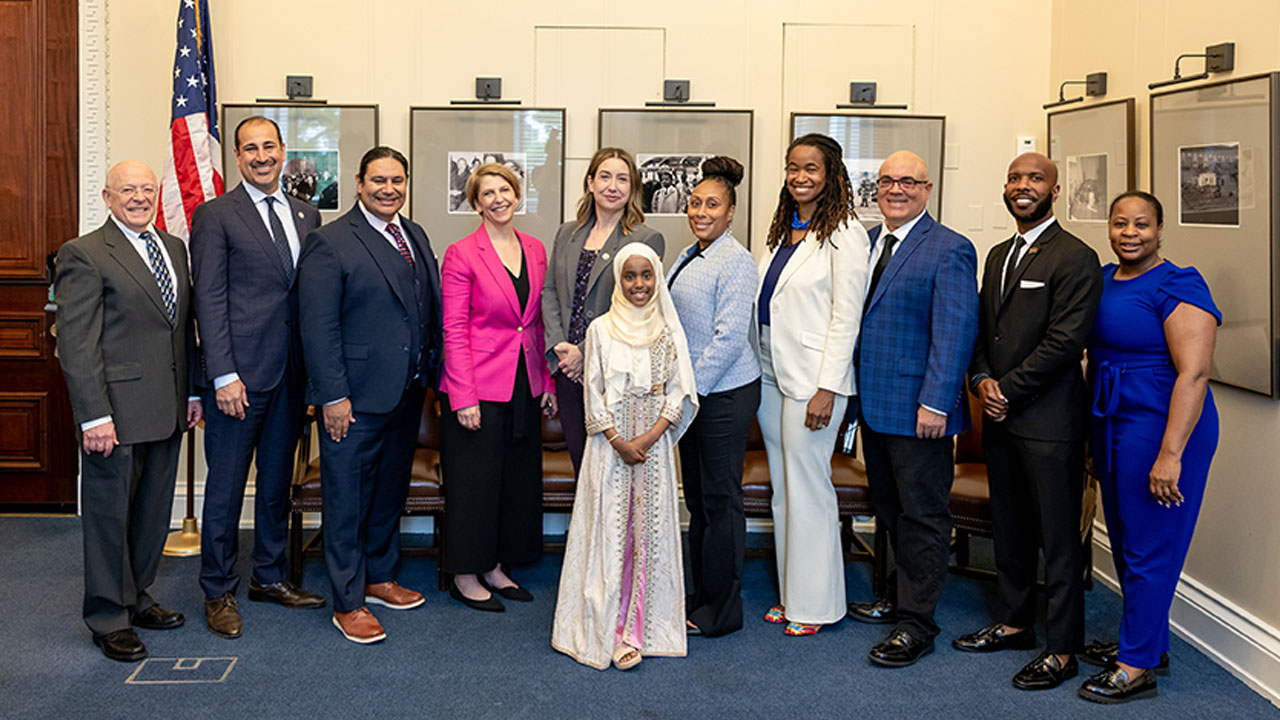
(244, 249)
(371, 333)
(1040, 291)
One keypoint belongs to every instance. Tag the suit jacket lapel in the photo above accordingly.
(537, 273)
(124, 253)
(181, 272)
(249, 214)
(489, 256)
(604, 256)
(907, 246)
(1031, 255)
(369, 237)
(802, 254)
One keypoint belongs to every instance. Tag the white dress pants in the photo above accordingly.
(806, 523)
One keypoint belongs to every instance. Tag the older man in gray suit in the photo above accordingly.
(125, 339)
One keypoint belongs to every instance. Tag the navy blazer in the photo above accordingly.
(358, 323)
(918, 331)
(246, 307)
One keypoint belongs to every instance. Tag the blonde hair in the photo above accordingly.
(633, 215)
(495, 170)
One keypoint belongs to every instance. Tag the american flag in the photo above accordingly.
(191, 173)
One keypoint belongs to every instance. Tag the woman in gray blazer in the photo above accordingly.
(579, 282)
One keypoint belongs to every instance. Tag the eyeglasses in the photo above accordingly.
(907, 183)
(129, 191)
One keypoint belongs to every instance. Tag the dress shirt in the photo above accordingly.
(381, 226)
(140, 246)
(713, 296)
(1031, 236)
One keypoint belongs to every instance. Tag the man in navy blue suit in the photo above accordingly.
(371, 335)
(244, 250)
(919, 323)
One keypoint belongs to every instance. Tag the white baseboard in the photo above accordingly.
(1232, 637)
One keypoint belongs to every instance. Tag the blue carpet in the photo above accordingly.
(444, 660)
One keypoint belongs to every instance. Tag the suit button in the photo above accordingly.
(999, 337)
(404, 348)
(405, 318)
(604, 256)
(591, 313)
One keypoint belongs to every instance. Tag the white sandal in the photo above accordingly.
(625, 657)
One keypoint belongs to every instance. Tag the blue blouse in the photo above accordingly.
(770, 283)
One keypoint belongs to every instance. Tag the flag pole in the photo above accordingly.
(186, 542)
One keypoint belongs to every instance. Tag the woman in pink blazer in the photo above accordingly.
(493, 384)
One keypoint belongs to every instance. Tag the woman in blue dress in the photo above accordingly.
(1155, 430)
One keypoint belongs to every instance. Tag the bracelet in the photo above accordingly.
(615, 437)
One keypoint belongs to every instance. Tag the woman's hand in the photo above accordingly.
(817, 414)
(469, 417)
(628, 451)
(1164, 480)
(549, 407)
(569, 358)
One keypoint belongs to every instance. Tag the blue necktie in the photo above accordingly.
(161, 272)
(281, 240)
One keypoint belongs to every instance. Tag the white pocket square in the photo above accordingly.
(1030, 284)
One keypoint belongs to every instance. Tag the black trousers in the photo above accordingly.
(573, 418)
(1037, 488)
(365, 479)
(126, 500)
(910, 481)
(711, 455)
(268, 434)
(493, 483)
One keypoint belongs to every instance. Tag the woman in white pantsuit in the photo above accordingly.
(812, 283)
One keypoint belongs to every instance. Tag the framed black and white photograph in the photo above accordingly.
(1093, 147)
(1213, 167)
(1209, 184)
(867, 139)
(323, 146)
(668, 180)
(463, 163)
(447, 144)
(1085, 186)
(669, 145)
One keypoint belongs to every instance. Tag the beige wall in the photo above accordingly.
(1236, 552)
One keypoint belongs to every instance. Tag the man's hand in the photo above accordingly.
(101, 438)
(195, 413)
(994, 403)
(817, 413)
(337, 419)
(232, 399)
(929, 424)
(570, 360)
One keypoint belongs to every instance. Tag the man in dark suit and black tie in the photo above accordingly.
(244, 250)
(919, 322)
(125, 340)
(1040, 291)
(371, 332)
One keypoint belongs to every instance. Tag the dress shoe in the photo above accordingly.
(359, 626)
(993, 638)
(1045, 672)
(1114, 687)
(1103, 654)
(222, 617)
(285, 593)
(122, 645)
(158, 618)
(510, 592)
(393, 595)
(900, 649)
(492, 604)
(880, 612)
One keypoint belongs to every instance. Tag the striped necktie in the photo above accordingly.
(280, 239)
(395, 234)
(161, 272)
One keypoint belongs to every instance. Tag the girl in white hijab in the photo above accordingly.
(622, 584)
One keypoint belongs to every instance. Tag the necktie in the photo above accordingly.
(395, 234)
(1011, 263)
(881, 264)
(161, 272)
(281, 240)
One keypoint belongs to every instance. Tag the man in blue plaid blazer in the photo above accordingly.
(919, 324)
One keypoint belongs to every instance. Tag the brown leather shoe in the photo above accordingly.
(285, 593)
(359, 626)
(222, 617)
(393, 595)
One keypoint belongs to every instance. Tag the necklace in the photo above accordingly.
(796, 224)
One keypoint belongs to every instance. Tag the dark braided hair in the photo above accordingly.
(834, 205)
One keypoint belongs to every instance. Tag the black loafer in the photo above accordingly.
(493, 604)
(993, 638)
(1045, 672)
(1103, 655)
(158, 618)
(122, 645)
(880, 612)
(510, 592)
(1114, 687)
(900, 649)
(285, 593)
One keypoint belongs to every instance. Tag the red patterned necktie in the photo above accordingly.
(403, 247)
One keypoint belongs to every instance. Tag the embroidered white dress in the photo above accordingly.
(623, 577)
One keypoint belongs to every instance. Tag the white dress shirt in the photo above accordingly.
(381, 226)
(1031, 236)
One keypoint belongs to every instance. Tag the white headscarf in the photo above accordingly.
(637, 328)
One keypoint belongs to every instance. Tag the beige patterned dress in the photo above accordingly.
(623, 578)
